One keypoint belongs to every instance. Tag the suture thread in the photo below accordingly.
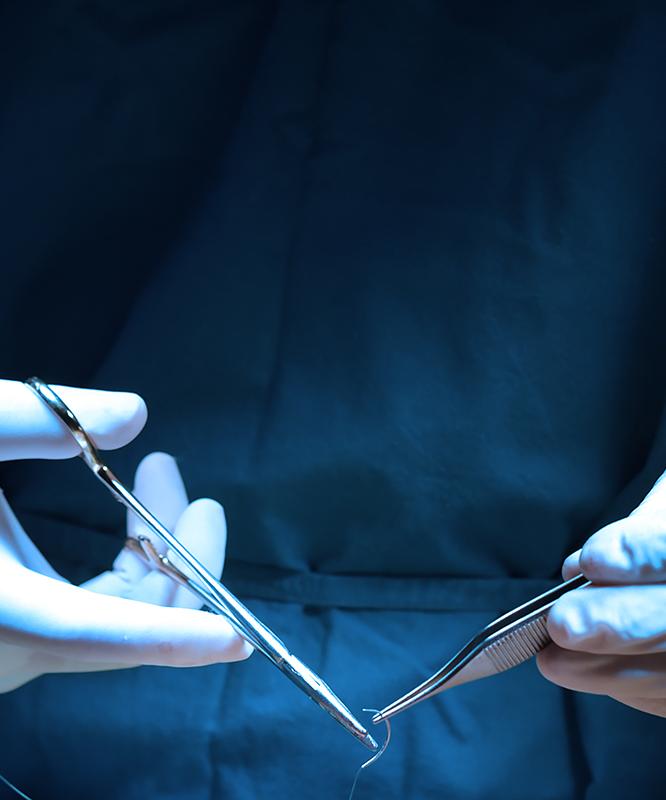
(376, 756)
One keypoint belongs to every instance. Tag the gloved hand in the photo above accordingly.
(130, 615)
(610, 638)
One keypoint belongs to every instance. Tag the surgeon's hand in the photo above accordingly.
(131, 614)
(610, 638)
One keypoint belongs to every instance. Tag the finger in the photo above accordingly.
(571, 566)
(203, 530)
(39, 662)
(618, 676)
(21, 665)
(159, 486)
(611, 620)
(16, 546)
(29, 429)
(631, 550)
(71, 622)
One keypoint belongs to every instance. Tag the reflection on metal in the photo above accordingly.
(191, 573)
(508, 641)
(376, 756)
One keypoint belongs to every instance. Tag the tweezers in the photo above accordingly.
(200, 581)
(506, 642)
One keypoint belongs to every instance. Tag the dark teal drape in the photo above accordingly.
(390, 277)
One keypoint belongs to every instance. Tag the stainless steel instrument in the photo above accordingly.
(191, 573)
(506, 642)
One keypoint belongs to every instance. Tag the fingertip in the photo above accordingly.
(592, 560)
(159, 486)
(571, 566)
(136, 412)
(616, 553)
(205, 515)
(606, 556)
(219, 644)
(235, 649)
(121, 419)
(30, 429)
(157, 460)
(213, 512)
(202, 529)
(241, 651)
(564, 623)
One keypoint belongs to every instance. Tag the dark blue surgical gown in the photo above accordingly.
(390, 277)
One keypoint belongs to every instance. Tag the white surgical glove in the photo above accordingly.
(130, 615)
(610, 638)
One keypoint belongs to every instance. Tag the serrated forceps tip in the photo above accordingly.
(508, 641)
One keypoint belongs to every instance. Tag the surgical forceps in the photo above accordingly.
(505, 643)
(200, 581)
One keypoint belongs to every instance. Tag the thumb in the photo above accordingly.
(29, 429)
(571, 566)
(63, 620)
(630, 550)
